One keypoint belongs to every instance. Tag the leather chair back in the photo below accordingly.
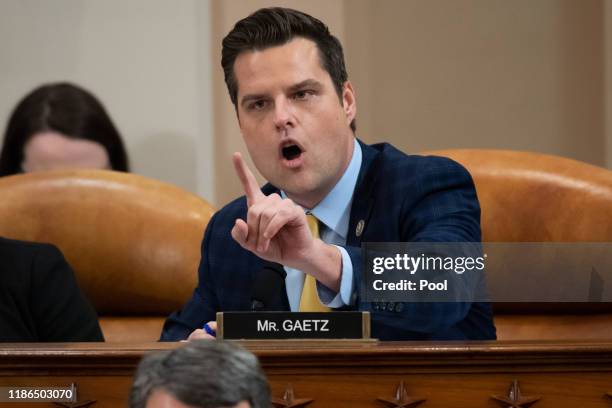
(533, 197)
(133, 242)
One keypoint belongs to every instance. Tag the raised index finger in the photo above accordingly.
(248, 180)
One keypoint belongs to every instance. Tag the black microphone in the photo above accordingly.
(268, 287)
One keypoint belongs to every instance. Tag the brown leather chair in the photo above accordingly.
(532, 197)
(133, 242)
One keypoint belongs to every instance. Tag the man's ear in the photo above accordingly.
(348, 102)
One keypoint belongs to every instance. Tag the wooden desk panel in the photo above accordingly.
(346, 374)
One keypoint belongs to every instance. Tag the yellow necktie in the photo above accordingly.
(309, 302)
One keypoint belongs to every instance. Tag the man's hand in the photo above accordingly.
(199, 334)
(276, 230)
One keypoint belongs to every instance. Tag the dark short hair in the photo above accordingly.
(64, 108)
(203, 374)
(269, 27)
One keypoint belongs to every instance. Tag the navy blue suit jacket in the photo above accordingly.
(401, 199)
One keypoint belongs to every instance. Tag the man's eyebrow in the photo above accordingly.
(252, 97)
(309, 83)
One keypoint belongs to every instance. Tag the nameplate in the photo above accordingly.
(292, 325)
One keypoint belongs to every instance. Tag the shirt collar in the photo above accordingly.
(334, 209)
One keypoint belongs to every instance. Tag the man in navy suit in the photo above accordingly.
(296, 109)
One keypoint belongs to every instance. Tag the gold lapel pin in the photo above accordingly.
(359, 228)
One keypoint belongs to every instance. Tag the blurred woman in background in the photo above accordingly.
(57, 126)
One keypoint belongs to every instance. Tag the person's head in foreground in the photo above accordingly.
(286, 76)
(59, 126)
(200, 374)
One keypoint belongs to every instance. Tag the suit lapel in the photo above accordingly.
(364, 195)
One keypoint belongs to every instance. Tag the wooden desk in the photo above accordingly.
(352, 375)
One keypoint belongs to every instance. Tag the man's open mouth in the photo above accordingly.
(291, 151)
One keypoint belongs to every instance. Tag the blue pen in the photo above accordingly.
(209, 331)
